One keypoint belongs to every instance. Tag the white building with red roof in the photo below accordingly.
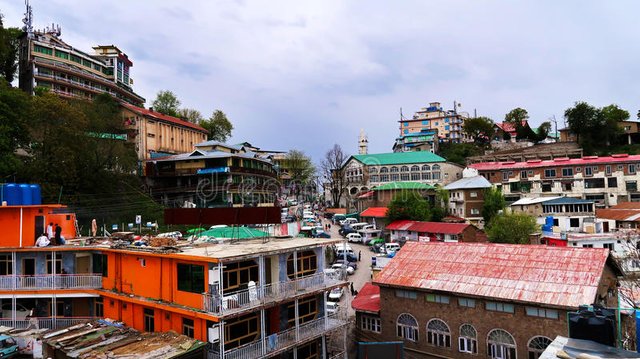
(405, 230)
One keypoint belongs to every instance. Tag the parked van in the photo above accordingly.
(341, 248)
(337, 218)
(391, 247)
(348, 221)
(359, 226)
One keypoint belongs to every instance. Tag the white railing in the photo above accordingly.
(283, 340)
(259, 295)
(48, 281)
(44, 322)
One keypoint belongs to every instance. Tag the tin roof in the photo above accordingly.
(378, 212)
(554, 276)
(469, 183)
(532, 200)
(368, 299)
(403, 185)
(627, 215)
(567, 200)
(162, 117)
(428, 227)
(558, 162)
(398, 158)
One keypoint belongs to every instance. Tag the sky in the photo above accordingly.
(307, 74)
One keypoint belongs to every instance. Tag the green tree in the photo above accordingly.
(299, 167)
(14, 112)
(166, 102)
(480, 129)
(9, 45)
(458, 152)
(512, 228)
(440, 205)
(408, 205)
(218, 126)
(595, 128)
(543, 131)
(493, 203)
(191, 115)
(516, 116)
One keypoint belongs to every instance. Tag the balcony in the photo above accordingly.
(48, 281)
(282, 341)
(260, 295)
(44, 322)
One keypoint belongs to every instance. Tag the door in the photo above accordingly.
(605, 227)
(28, 266)
(83, 263)
(39, 226)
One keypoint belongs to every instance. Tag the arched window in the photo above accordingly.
(373, 170)
(394, 169)
(501, 345)
(438, 333)
(404, 169)
(436, 167)
(468, 340)
(415, 168)
(384, 170)
(537, 345)
(407, 327)
(426, 168)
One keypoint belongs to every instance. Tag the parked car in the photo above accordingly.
(336, 294)
(328, 215)
(21, 311)
(332, 307)
(377, 248)
(341, 266)
(344, 231)
(348, 221)
(321, 234)
(375, 241)
(354, 237)
(391, 247)
(9, 347)
(351, 264)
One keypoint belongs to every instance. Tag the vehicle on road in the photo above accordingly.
(336, 294)
(327, 215)
(337, 218)
(321, 234)
(8, 346)
(332, 307)
(348, 221)
(351, 264)
(344, 231)
(21, 311)
(391, 247)
(375, 241)
(354, 237)
(340, 266)
(377, 248)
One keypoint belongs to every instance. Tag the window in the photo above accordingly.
(501, 345)
(100, 264)
(631, 185)
(384, 178)
(237, 275)
(415, 168)
(75, 58)
(541, 312)
(407, 327)
(547, 186)
(537, 345)
(468, 342)
(149, 321)
(406, 294)
(374, 178)
(384, 170)
(612, 182)
(467, 302)
(241, 330)
(607, 170)
(435, 298)
(632, 169)
(395, 177)
(475, 211)
(505, 176)
(594, 183)
(404, 169)
(523, 174)
(567, 172)
(426, 168)
(588, 171)
(394, 169)
(620, 167)
(190, 278)
(62, 54)
(436, 176)
(567, 186)
(404, 177)
(608, 246)
(500, 307)
(99, 307)
(574, 222)
(6, 264)
(50, 263)
(438, 333)
(415, 176)
(587, 246)
(436, 167)
(43, 50)
(307, 311)
(373, 170)
(307, 264)
(550, 173)
(473, 194)
(426, 176)
(370, 323)
(187, 327)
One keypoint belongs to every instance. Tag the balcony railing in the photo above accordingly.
(282, 341)
(48, 281)
(44, 322)
(253, 297)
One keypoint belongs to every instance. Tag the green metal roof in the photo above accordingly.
(398, 158)
(234, 232)
(403, 185)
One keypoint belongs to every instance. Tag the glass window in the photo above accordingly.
(550, 173)
(588, 171)
(467, 302)
(394, 169)
(436, 298)
(541, 312)
(307, 264)
(468, 340)
(370, 323)
(426, 176)
(537, 346)
(50, 263)
(501, 345)
(404, 177)
(6, 264)
(438, 333)
(187, 327)
(436, 167)
(567, 172)
(100, 264)
(632, 169)
(426, 168)
(241, 330)
(631, 185)
(500, 307)
(404, 169)
(415, 168)
(149, 321)
(384, 170)
(407, 327)
(415, 176)
(406, 294)
(190, 278)
(395, 177)
(612, 182)
(384, 178)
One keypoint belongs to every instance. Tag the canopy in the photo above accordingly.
(234, 232)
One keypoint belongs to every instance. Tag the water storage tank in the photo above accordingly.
(25, 191)
(11, 194)
(548, 221)
(36, 194)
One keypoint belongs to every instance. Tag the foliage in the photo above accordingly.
(333, 173)
(595, 127)
(480, 129)
(9, 45)
(512, 228)
(218, 126)
(458, 152)
(543, 130)
(166, 102)
(299, 167)
(440, 205)
(408, 205)
(493, 203)
(191, 115)
(14, 105)
(516, 116)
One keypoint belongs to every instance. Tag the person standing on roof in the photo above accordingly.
(58, 235)
(50, 230)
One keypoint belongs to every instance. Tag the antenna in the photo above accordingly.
(28, 19)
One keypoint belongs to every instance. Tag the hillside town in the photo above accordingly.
(137, 228)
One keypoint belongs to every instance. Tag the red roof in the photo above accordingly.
(555, 276)
(368, 299)
(588, 160)
(162, 117)
(366, 195)
(378, 212)
(428, 227)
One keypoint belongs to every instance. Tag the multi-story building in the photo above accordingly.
(48, 62)
(425, 140)
(213, 175)
(459, 300)
(466, 196)
(606, 180)
(156, 134)
(448, 123)
(404, 230)
(626, 215)
(563, 214)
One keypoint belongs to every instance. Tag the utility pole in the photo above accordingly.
(555, 122)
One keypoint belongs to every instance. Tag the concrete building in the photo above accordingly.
(448, 123)
(434, 297)
(418, 231)
(46, 61)
(606, 180)
(626, 215)
(466, 196)
(425, 140)
(630, 133)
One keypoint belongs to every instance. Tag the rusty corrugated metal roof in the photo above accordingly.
(368, 299)
(428, 227)
(555, 276)
(619, 214)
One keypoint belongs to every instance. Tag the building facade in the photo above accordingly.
(606, 180)
(448, 123)
(466, 197)
(45, 61)
(418, 231)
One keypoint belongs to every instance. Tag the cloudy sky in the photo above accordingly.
(308, 74)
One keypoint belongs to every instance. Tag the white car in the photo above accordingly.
(340, 267)
(332, 307)
(354, 237)
(336, 294)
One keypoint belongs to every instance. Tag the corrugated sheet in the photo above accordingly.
(557, 276)
(368, 299)
(428, 227)
(399, 225)
(469, 183)
(497, 166)
(378, 212)
(398, 158)
(619, 214)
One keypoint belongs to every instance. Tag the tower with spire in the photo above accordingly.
(363, 143)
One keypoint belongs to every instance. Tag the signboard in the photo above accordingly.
(138, 219)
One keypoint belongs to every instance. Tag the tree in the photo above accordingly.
(334, 174)
(480, 129)
(543, 131)
(218, 126)
(166, 102)
(512, 228)
(493, 203)
(439, 209)
(14, 107)
(300, 169)
(408, 205)
(458, 152)
(595, 128)
(9, 45)
(191, 115)
(516, 116)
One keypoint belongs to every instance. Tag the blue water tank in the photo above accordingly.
(25, 192)
(11, 194)
(36, 194)
(548, 221)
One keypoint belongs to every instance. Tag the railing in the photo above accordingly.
(283, 340)
(340, 354)
(48, 281)
(44, 322)
(259, 295)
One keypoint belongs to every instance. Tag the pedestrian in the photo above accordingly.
(42, 241)
(359, 255)
(352, 290)
(58, 235)
(50, 230)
